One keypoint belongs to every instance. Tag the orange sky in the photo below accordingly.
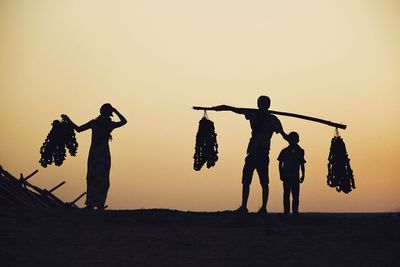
(153, 60)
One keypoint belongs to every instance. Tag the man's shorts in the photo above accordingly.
(259, 162)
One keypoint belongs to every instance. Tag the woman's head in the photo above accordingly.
(106, 110)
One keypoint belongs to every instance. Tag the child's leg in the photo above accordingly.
(286, 197)
(295, 195)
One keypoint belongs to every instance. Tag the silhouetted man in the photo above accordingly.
(263, 125)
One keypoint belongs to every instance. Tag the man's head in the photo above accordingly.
(293, 138)
(263, 103)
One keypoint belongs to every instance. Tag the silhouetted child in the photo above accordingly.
(291, 160)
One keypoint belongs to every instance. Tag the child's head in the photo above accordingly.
(293, 138)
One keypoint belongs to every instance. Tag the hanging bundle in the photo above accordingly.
(206, 149)
(340, 174)
(60, 137)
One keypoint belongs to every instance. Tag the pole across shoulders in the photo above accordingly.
(281, 113)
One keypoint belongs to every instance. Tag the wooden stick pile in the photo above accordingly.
(16, 192)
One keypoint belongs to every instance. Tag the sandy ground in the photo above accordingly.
(174, 238)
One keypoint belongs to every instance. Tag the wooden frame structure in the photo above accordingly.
(19, 192)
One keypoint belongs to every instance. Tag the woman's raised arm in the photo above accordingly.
(122, 121)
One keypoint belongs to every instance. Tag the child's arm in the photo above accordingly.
(303, 173)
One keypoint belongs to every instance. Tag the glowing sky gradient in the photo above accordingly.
(153, 60)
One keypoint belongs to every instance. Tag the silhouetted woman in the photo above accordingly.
(99, 161)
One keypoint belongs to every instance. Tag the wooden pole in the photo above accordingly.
(76, 199)
(56, 187)
(30, 175)
(326, 122)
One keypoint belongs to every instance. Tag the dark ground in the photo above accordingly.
(174, 238)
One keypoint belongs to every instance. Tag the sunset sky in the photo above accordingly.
(153, 60)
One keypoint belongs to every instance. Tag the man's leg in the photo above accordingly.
(295, 195)
(248, 170)
(265, 193)
(245, 195)
(262, 170)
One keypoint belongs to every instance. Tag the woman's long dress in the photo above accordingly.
(99, 163)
